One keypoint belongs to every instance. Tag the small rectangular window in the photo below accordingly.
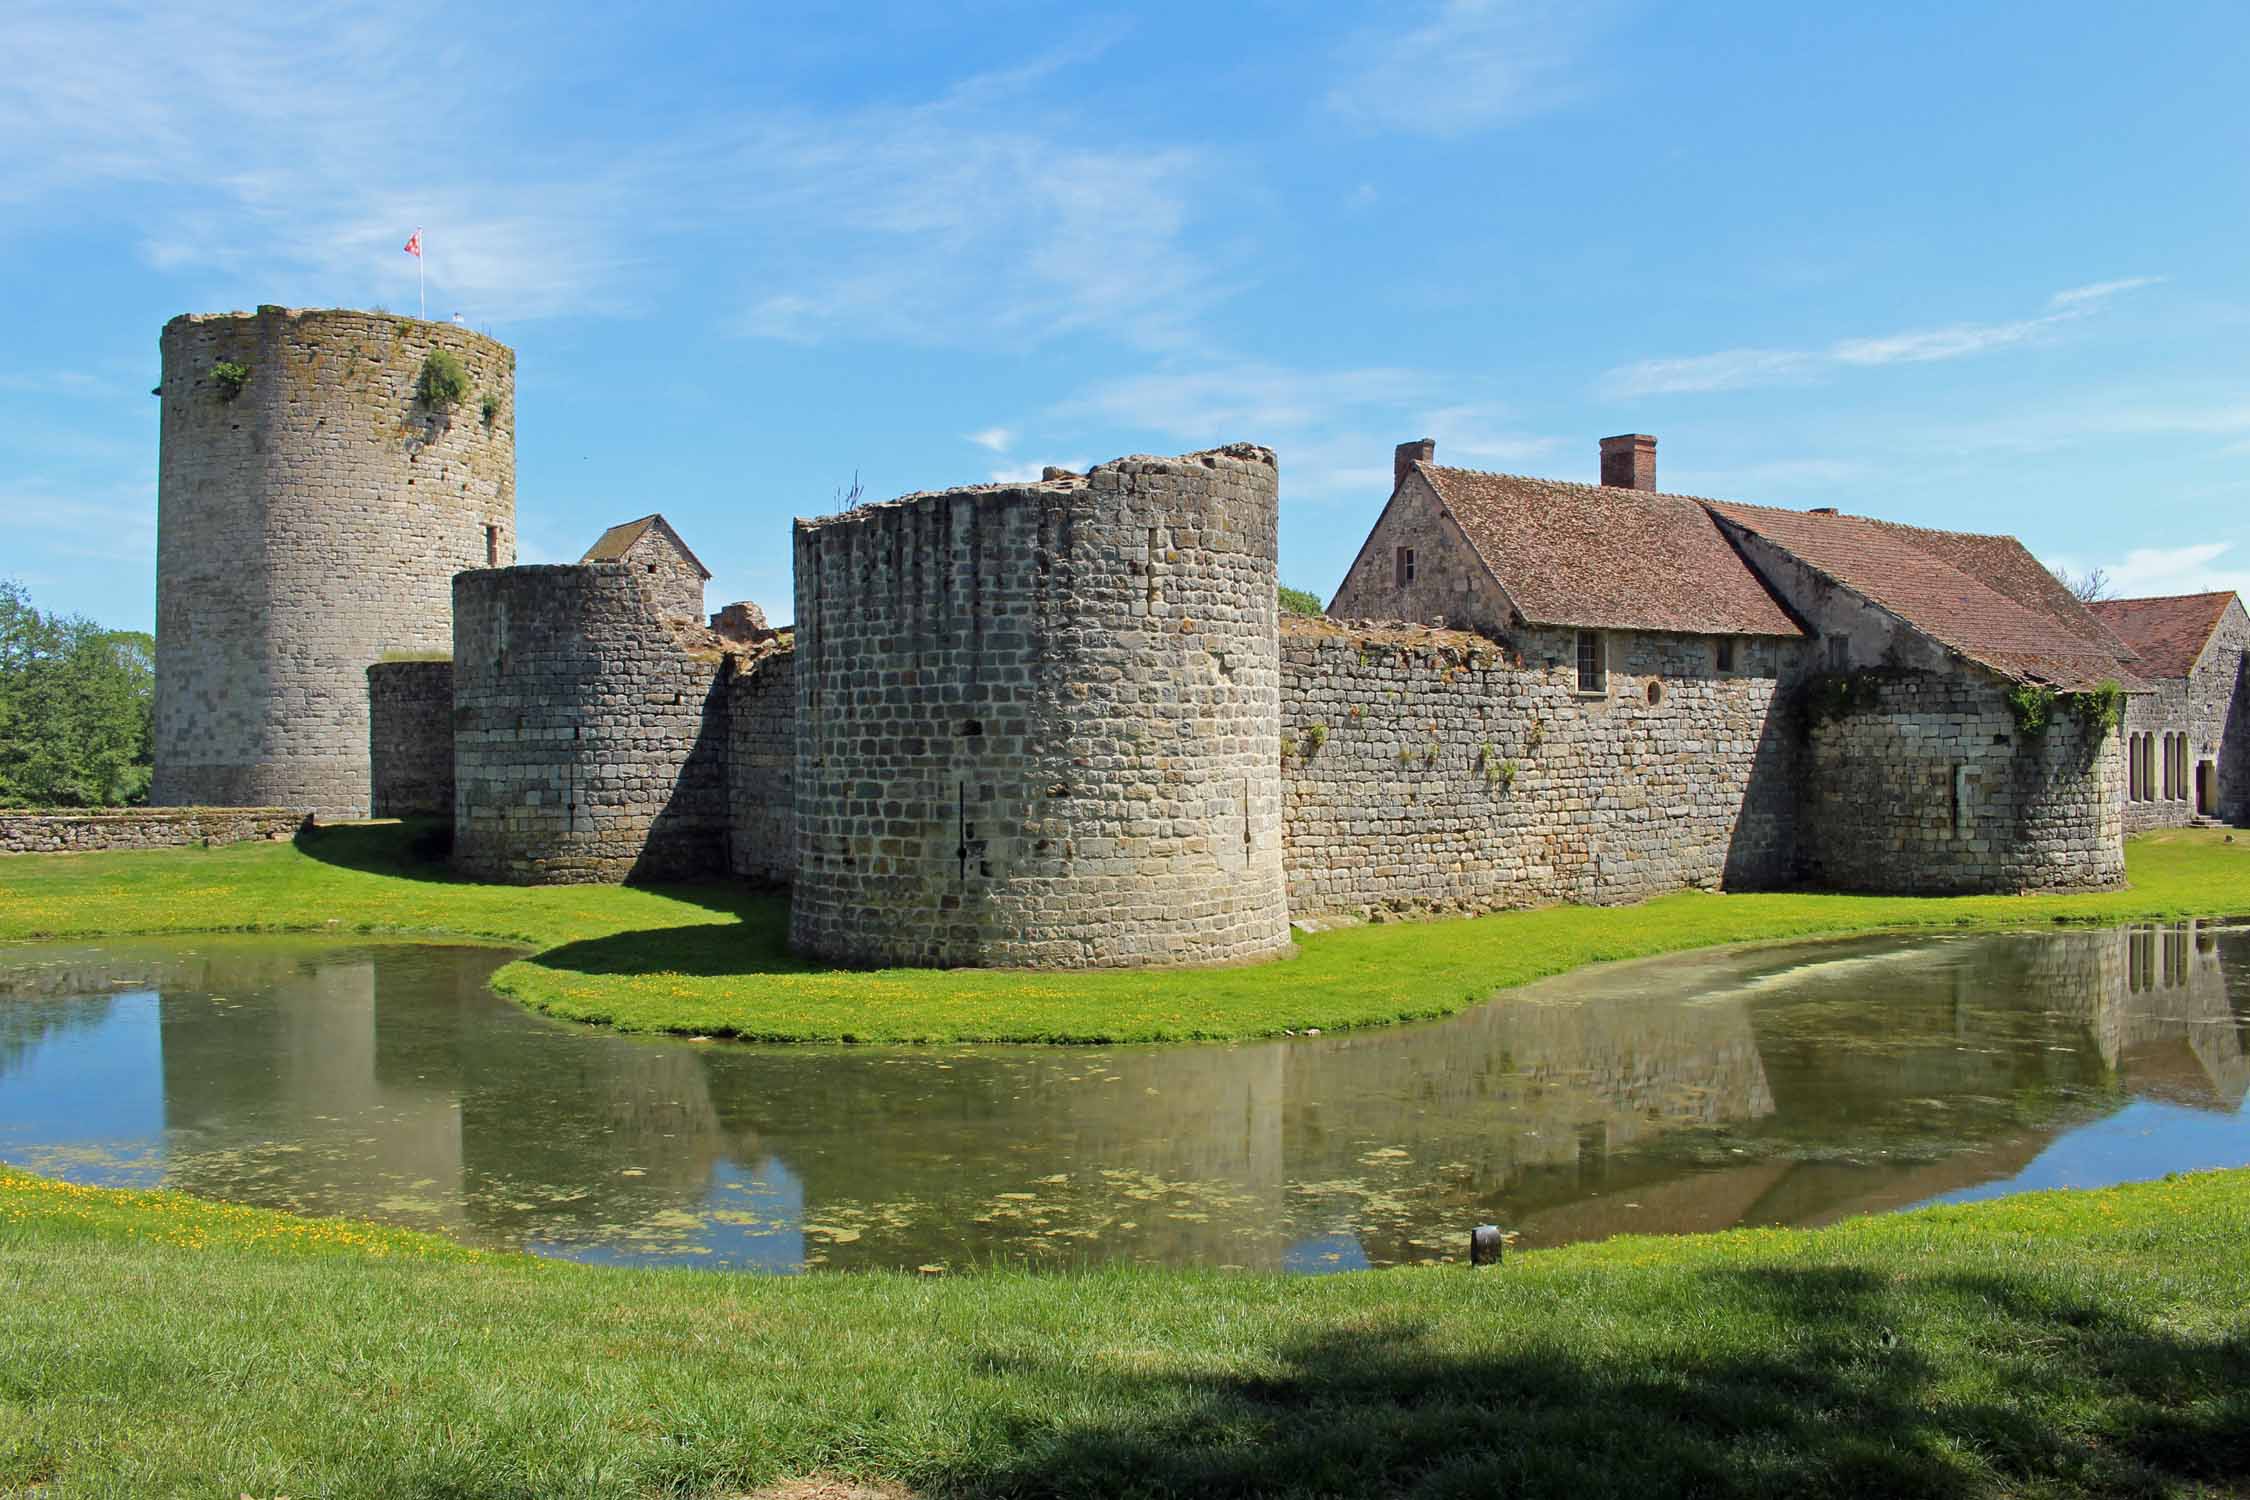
(1725, 652)
(1839, 653)
(1593, 672)
(1405, 566)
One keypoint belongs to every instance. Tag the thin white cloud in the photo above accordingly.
(2195, 568)
(1739, 369)
(284, 155)
(996, 439)
(2101, 291)
(1471, 65)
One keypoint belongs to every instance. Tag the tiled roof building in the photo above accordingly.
(1907, 666)
(2187, 747)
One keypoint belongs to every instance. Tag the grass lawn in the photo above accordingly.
(711, 959)
(2059, 1344)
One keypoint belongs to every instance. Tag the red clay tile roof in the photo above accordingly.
(1972, 594)
(613, 544)
(1614, 559)
(2169, 632)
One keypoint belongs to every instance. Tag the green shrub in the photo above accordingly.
(2033, 704)
(1298, 601)
(2101, 708)
(491, 409)
(1316, 735)
(1839, 695)
(443, 381)
(230, 378)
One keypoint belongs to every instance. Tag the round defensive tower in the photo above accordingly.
(1039, 725)
(589, 739)
(312, 510)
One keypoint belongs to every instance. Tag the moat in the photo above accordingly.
(1774, 1086)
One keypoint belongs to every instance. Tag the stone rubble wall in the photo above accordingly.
(668, 576)
(590, 738)
(761, 770)
(1037, 724)
(1451, 582)
(83, 832)
(1432, 770)
(410, 738)
(305, 529)
(1932, 789)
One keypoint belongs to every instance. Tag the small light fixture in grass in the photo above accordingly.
(230, 377)
(443, 381)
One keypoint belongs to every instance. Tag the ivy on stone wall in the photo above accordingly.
(2033, 704)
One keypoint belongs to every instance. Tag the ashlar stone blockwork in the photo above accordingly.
(1929, 786)
(590, 737)
(1036, 724)
(410, 738)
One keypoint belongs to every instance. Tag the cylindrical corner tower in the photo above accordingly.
(312, 509)
(1039, 725)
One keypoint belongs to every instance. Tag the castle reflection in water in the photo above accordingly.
(1777, 1086)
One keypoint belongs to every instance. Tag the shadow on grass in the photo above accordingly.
(420, 848)
(756, 944)
(1864, 1384)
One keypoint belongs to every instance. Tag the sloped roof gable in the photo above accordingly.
(2170, 631)
(1972, 594)
(614, 543)
(1583, 555)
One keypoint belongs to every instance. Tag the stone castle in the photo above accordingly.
(1064, 724)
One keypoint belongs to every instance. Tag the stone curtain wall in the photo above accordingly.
(1037, 723)
(1932, 789)
(304, 529)
(761, 770)
(149, 828)
(2208, 706)
(1438, 771)
(410, 738)
(590, 741)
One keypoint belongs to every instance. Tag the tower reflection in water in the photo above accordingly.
(1777, 1086)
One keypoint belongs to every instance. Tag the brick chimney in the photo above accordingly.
(1629, 461)
(1407, 455)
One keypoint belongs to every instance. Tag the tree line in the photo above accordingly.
(77, 708)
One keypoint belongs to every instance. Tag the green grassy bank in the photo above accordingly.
(711, 959)
(2055, 1344)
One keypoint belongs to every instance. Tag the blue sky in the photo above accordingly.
(1970, 266)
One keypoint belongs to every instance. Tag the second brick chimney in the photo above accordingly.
(1407, 455)
(1629, 461)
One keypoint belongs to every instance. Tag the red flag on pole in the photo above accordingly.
(414, 245)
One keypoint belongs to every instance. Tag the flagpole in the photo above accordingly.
(421, 278)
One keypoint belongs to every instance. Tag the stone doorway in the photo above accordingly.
(2206, 793)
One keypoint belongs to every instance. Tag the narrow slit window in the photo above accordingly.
(492, 546)
(1725, 653)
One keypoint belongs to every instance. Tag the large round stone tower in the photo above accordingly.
(1039, 725)
(311, 514)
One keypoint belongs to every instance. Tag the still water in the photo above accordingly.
(1790, 1085)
